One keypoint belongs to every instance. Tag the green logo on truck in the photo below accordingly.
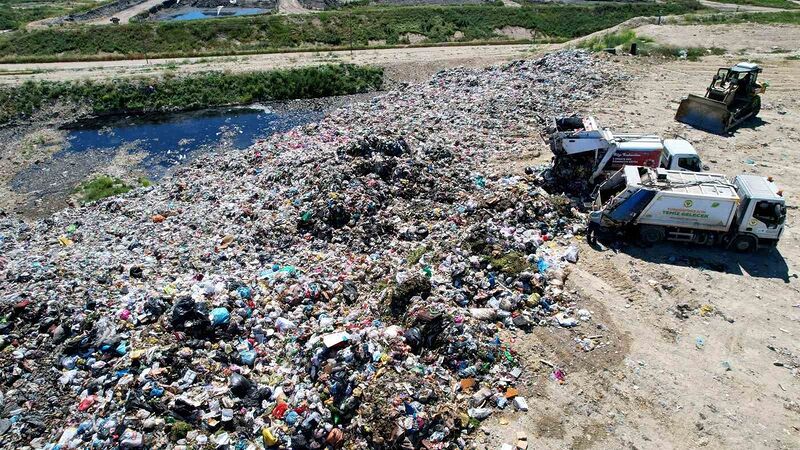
(687, 204)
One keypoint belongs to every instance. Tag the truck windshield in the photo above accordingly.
(771, 213)
(691, 164)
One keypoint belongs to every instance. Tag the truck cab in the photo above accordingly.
(679, 154)
(762, 210)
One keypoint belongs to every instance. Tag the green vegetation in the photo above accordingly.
(511, 263)
(334, 29)
(105, 186)
(17, 13)
(784, 4)
(191, 92)
(788, 17)
(416, 254)
(179, 430)
(623, 40)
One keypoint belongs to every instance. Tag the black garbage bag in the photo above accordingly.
(239, 385)
(349, 292)
(191, 317)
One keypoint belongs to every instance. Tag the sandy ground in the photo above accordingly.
(649, 384)
(408, 64)
(760, 39)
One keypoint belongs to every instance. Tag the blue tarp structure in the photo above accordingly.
(632, 206)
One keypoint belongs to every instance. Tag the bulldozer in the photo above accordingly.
(731, 98)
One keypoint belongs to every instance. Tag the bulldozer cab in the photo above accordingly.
(738, 81)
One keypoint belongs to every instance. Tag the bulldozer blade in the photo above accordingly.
(704, 114)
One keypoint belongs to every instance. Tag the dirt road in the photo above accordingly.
(124, 16)
(698, 347)
(730, 7)
(408, 64)
(292, 7)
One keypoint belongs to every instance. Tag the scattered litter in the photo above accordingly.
(699, 342)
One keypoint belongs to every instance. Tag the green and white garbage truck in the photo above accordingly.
(698, 207)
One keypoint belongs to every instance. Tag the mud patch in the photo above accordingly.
(589, 436)
(549, 426)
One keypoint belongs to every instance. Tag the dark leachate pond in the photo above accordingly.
(170, 139)
(150, 145)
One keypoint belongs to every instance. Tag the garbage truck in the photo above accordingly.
(703, 208)
(584, 151)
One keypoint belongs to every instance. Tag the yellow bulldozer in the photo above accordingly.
(732, 98)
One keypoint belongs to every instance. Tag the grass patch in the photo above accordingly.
(622, 38)
(101, 187)
(416, 254)
(511, 263)
(195, 91)
(646, 47)
(17, 13)
(334, 29)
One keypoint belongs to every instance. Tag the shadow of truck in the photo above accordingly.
(766, 263)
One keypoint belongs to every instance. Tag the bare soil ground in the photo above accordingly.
(696, 346)
(406, 64)
(761, 39)
(292, 7)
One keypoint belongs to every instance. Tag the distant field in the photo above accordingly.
(17, 13)
(336, 29)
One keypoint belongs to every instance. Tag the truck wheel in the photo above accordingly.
(744, 244)
(650, 234)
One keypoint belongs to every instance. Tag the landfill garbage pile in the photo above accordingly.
(343, 285)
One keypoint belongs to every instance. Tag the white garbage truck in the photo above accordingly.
(584, 150)
(704, 208)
